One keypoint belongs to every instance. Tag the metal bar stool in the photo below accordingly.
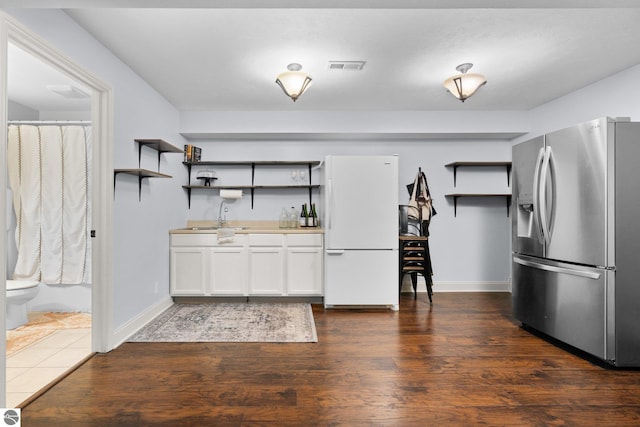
(414, 260)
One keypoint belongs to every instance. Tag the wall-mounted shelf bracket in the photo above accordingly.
(252, 187)
(141, 174)
(456, 165)
(456, 196)
(159, 145)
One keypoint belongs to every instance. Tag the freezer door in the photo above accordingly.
(575, 193)
(361, 202)
(525, 226)
(566, 302)
(361, 278)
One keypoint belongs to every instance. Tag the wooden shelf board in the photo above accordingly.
(478, 195)
(473, 163)
(257, 163)
(219, 187)
(142, 173)
(159, 145)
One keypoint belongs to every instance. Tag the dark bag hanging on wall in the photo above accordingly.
(420, 207)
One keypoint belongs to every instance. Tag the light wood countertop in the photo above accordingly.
(243, 227)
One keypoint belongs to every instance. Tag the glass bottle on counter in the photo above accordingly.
(304, 216)
(283, 221)
(293, 218)
(313, 216)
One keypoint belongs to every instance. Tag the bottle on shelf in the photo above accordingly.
(313, 216)
(304, 216)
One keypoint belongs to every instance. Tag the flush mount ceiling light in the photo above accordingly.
(293, 82)
(463, 85)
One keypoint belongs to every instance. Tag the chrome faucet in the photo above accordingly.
(222, 221)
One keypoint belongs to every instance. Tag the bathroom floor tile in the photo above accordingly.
(43, 350)
(34, 379)
(30, 357)
(83, 342)
(14, 372)
(60, 339)
(64, 358)
(14, 399)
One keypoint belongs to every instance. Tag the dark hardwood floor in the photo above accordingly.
(463, 361)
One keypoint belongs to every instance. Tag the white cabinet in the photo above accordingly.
(267, 264)
(227, 271)
(200, 266)
(304, 264)
(188, 270)
(266, 271)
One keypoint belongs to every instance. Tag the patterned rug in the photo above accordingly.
(41, 325)
(231, 322)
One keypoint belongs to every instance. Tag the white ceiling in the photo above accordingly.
(28, 79)
(222, 58)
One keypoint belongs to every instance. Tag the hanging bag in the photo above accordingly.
(420, 204)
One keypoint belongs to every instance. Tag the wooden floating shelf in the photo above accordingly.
(456, 196)
(158, 145)
(252, 186)
(456, 165)
(248, 186)
(257, 163)
(141, 174)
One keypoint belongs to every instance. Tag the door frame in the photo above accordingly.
(13, 32)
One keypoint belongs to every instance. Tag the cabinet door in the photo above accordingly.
(266, 265)
(227, 273)
(188, 271)
(304, 271)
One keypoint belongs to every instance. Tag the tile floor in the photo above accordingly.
(33, 367)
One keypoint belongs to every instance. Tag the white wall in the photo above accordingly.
(614, 96)
(18, 111)
(474, 247)
(141, 245)
(470, 251)
(446, 123)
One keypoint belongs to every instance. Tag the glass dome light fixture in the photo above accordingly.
(463, 85)
(293, 82)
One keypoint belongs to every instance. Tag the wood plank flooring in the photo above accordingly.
(463, 361)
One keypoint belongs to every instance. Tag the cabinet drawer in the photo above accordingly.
(266, 240)
(304, 239)
(208, 239)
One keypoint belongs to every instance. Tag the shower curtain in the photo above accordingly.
(48, 176)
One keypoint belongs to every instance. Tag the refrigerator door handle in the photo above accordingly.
(556, 269)
(544, 220)
(536, 194)
(330, 197)
(335, 251)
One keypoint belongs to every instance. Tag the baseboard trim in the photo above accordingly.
(123, 333)
(459, 286)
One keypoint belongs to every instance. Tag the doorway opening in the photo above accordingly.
(67, 317)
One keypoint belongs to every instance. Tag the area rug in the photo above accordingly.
(231, 322)
(41, 325)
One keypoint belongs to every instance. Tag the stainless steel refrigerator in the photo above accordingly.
(361, 231)
(576, 237)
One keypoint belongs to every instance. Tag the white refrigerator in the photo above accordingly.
(360, 196)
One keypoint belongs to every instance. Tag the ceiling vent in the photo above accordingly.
(68, 91)
(347, 65)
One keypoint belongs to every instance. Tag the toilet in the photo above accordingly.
(19, 292)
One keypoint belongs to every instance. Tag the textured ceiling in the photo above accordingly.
(220, 58)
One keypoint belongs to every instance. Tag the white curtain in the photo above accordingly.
(48, 176)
